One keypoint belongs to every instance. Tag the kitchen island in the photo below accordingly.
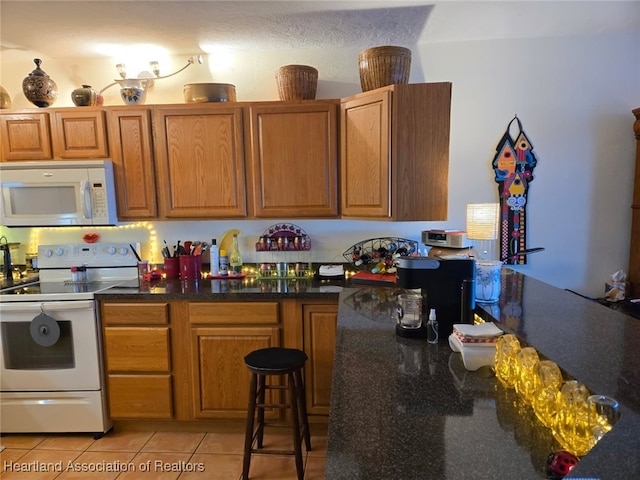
(404, 409)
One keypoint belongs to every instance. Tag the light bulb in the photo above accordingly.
(122, 70)
(155, 67)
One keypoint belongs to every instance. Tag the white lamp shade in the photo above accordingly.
(482, 221)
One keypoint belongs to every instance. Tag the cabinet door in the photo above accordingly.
(132, 155)
(365, 162)
(293, 160)
(395, 152)
(79, 133)
(220, 377)
(200, 161)
(139, 396)
(320, 325)
(25, 136)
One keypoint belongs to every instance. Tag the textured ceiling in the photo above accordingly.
(62, 29)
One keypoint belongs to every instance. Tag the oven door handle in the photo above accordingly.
(37, 307)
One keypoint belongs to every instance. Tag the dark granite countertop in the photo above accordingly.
(403, 409)
(232, 289)
(19, 279)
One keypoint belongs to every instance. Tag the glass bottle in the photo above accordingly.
(223, 270)
(432, 327)
(215, 258)
(235, 259)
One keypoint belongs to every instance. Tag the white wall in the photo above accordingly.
(574, 96)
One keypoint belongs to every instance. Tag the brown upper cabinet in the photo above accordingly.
(64, 133)
(292, 160)
(79, 133)
(395, 153)
(25, 136)
(199, 155)
(378, 155)
(131, 145)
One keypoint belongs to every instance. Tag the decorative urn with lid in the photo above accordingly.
(39, 88)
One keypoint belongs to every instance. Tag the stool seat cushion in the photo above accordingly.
(276, 359)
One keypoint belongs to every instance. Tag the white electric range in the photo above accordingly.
(51, 368)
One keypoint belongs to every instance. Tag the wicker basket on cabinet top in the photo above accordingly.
(297, 82)
(385, 65)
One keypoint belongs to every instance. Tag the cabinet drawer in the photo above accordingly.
(233, 313)
(135, 313)
(137, 349)
(140, 396)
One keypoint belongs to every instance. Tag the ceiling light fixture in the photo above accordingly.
(133, 90)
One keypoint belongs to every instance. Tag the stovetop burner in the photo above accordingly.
(107, 264)
(41, 291)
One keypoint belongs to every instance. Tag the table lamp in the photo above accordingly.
(482, 226)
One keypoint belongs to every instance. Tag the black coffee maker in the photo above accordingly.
(448, 286)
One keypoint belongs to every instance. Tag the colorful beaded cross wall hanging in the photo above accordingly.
(513, 165)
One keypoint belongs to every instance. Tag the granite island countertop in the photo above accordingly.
(402, 409)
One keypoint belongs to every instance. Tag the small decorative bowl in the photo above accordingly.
(209, 92)
(133, 95)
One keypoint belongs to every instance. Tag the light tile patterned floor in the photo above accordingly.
(130, 455)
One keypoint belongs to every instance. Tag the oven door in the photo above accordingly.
(56, 351)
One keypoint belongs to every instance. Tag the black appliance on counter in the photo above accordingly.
(448, 286)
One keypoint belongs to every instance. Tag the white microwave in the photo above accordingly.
(57, 193)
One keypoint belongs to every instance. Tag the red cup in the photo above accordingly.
(171, 268)
(190, 267)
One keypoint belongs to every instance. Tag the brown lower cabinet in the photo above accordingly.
(222, 333)
(137, 351)
(319, 325)
(184, 361)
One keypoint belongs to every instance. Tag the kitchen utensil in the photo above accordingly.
(135, 253)
(165, 250)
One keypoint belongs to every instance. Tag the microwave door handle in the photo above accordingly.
(87, 207)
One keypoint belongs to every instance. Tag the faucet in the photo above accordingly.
(7, 268)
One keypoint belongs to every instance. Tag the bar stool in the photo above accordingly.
(280, 362)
